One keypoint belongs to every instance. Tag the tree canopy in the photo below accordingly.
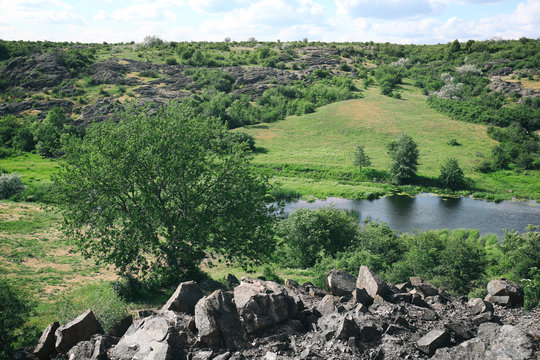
(404, 154)
(154, 192)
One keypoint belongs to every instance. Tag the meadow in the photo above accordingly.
(313, 154)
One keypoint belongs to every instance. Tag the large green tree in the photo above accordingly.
(153, 193)
(451, 174)
(404, 154)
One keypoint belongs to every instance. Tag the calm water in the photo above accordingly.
(427, 212)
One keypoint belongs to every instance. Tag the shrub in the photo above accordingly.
(101, 298)
(270, 274)
(531, 288)
(14, 311)
(308, 235)
(10, 184)
(451, 175)
(404, 154)
(171, 61)
(521, 251)
(361, 159)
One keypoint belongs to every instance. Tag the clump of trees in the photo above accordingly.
(451, 175)
(154, 192)
(404, 154)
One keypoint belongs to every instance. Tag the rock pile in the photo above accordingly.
(356, 319)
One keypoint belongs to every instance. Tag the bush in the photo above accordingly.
(521, 252)
(531, 288)
(451, 175)
(14, 312)
(10, 184)
(101, 298)
(308, 235)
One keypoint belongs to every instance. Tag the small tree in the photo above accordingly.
(404, 154)
(361, 159)
(153, 193)
(451, 174)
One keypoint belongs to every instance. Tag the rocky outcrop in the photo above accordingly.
(185, 298)
(505, 293)
(45, 347)
(507, 87)
(159, 336)
(340, 283)
(36, 73)
(262, 304)
(38, 108)
(79, 329)
(265, 320)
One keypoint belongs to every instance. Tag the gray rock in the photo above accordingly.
(203, 355)
(415, 281)
(79, 329)
(185, 298)
(479, 306)
(427, 289)
(120, 327)
(460, 331)
(360, 296)
(370, 281)
(494, 342)
(328, 305)
(159, 336)
(433, 340)
(224, 356)
(45, 347)
(340, 283)
(262, 304)
(217, 321)
(232, 281)
(505, 293)
(347, 328)
(94, 349)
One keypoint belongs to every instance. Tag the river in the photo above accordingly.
(427, 212)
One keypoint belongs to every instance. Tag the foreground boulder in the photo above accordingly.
(45, 347)
(217, 321)
(340, 283)
(93, 349)
(159, 336)
(433, 340)
(505, 293)
(184, 298)
(262, 304)
(79, 329)
(494, 342)
(370, 281)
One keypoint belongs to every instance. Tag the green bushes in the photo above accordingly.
(531, 289)
(101, 298)
(14, 312)
(10, 184)
(309, 235)
(451, 175)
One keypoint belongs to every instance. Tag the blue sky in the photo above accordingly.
(397, 21)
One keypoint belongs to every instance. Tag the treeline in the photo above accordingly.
(461, 261)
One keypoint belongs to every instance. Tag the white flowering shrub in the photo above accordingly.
(469, 69)
(10, 184)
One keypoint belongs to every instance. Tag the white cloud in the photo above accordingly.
(142, 11)
(216, 6)
(385, 9)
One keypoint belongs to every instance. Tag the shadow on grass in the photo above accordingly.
(260, 150)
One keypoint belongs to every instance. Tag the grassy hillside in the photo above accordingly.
(324, 142)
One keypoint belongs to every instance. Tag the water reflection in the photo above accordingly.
(425, 211)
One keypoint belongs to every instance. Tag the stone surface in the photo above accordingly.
(159, 336)
(217, 321)
(360, 296)
(433, 340)
(94, 349)
(185, 298)
(45, 347)
(340, 283)
(262, 304)
(79, 329)
(120, 327)
(479, 306)
(494, 342)
(505, 293)
(232, 281)
(370, 281)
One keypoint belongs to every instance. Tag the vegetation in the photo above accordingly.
(151, 193)
(361, 159)
(14, 312)
(451, 175)
(404, 155)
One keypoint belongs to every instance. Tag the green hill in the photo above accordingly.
(317, 149)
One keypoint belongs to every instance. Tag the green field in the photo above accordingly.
(313, 154)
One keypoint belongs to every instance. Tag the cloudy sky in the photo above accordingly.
(397, 21)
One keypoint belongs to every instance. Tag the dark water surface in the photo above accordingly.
(428, 212)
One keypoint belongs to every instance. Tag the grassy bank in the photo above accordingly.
(313, 154)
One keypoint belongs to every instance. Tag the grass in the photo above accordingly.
(326, 139)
